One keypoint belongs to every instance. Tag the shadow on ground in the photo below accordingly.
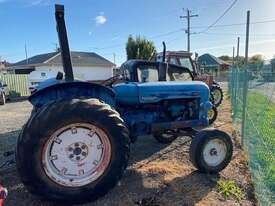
(135, 188)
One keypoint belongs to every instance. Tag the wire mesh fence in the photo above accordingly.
(256, 121)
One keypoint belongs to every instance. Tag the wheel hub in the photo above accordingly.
(214, 152)
(76, 155)
(77, 151)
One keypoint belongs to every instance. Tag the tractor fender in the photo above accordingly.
(72, 90)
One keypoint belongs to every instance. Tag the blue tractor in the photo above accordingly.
(76, 144)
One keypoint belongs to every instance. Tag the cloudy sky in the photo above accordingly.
(103, 26)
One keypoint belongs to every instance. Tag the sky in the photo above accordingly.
(104, 26)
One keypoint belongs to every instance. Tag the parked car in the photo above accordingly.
(4, 92)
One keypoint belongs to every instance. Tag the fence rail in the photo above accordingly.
(17, 84)
(259, 125)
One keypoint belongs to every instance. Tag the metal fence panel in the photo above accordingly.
(259, 126)
(17, 84)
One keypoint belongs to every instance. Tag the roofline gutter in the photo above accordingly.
(52, 65)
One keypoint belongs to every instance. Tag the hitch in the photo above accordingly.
(63, 42)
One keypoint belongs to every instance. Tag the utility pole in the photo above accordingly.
(245, 77)
(114, 55)
(26, 54)
(188, 17)
(238, 50)
(233, 57)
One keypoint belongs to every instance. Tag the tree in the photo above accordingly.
(256, 62)
(256, 59)
(226, 58)
(139, 48)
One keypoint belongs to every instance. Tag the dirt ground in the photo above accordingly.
(157, 174)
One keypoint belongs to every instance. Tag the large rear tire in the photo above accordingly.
(211, 150)
(73, 151)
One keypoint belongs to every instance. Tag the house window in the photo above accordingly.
(43, 74)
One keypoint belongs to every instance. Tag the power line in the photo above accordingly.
(237, 24)
(220, 17)
(237, 34)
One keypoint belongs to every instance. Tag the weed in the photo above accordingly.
(230, 188)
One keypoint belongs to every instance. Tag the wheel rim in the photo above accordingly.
(76, 155)
(214, 152)
(217, 96)
(211, 114)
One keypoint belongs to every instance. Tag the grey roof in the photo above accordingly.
(210, 60)
(78, 58)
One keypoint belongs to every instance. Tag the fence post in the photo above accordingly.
(245, 83)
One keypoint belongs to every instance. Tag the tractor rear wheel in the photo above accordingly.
(217, 95)
(2, 98)
(211, 150)
(73, 151)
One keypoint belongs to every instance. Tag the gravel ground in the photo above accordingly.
(157, 174)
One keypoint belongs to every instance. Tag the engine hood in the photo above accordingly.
(153, 92)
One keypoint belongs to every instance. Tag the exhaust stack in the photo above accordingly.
(63, 42)
(163, 52)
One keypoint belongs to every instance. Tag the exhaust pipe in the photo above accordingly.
(163, 52)
(63, 42)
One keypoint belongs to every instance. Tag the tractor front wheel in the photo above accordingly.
(73, 151)
(211, 150)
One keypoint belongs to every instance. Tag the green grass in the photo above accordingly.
(260, 140)
(260, 132)
(230, 189)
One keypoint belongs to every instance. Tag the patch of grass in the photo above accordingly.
(230, 189)
(259, 140)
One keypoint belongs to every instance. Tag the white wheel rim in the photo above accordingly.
(217, 96)
(76, 155)
(214, 152)
(211, 114)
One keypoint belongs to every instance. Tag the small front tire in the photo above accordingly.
(211, 150)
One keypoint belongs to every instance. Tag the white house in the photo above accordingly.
(87, 66)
